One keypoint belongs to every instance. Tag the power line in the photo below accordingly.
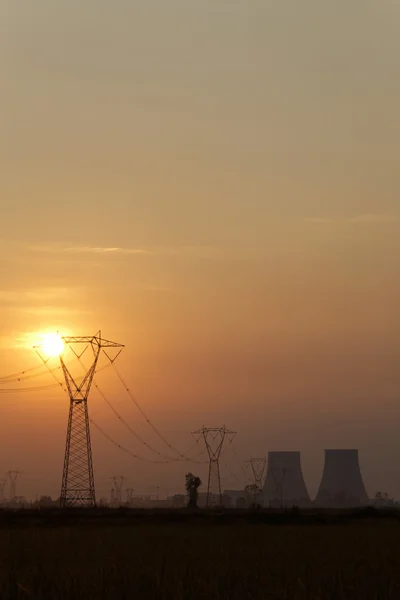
(133, 432)
(137, 456)
(27, 389)
(126, 424)
(144, 415)
(20, 373)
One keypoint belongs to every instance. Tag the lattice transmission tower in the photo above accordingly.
(214, 438)
(118, 483)
(77, 488)
(13, 476)
(2, 488)
(258, 466)
(278, 475)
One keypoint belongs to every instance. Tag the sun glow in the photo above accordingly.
(52, 344)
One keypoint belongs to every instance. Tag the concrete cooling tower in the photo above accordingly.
(284, 484)
(342, 485)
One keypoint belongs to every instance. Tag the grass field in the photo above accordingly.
(199, 559)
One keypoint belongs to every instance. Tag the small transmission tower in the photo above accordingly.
(214, 438)
(2, 488)
(118, 482)
(278, 475)
(258, 466)
(13, 476)
(78, 480)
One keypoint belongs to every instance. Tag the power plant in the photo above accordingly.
(342, 484)
(284, 483)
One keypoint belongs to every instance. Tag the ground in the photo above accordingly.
(184, 557)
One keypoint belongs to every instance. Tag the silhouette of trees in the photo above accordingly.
(192, 486)
(252, 492)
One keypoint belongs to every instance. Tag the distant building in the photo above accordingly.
(179, 501)
(234, 496)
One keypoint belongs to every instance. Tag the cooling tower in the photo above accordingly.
(342, 485)
(284, 484)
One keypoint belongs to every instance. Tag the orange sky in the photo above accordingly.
(215, 186)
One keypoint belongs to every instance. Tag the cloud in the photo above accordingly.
(106, 250)
(199, 252)
(88, 249)
(360, 219)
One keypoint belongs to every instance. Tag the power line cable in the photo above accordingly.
(144, 415)
(107, 436)
(142, 458)
(132, 431)
(20, 373)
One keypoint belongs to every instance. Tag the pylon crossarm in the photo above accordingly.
(95, 340)
(79, 391)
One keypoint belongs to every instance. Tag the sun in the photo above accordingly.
(52, 344)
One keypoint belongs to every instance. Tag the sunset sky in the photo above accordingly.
(214, 184)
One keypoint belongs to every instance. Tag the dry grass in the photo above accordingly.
(193, 561)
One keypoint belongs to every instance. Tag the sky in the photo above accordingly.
(216, 186)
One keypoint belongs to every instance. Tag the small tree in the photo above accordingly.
(252, 492)
(192, 485)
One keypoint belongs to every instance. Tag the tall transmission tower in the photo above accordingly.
(258, 466)
(129, 495)
(214, 438)
(78, 479)
(13, 476)
(118, 482)
(2, 488)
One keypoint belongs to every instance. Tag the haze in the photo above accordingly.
(215, 185)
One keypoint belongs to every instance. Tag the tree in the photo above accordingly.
(252, 492)
(192, 485)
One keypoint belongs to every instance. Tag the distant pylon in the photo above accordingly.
(13, 476)
(214, 438)
(278, 475)
(2, 488)
(118, 482)
(129, 495)
(258, 469)
(78, 479)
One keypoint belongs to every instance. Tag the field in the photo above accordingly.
(184, 557)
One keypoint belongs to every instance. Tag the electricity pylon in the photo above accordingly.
(278, 475)
(118, 482)
(13, 476)
(2, 488)
(129, 495)
(214, 438)
(77, 486)
(258, 469)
